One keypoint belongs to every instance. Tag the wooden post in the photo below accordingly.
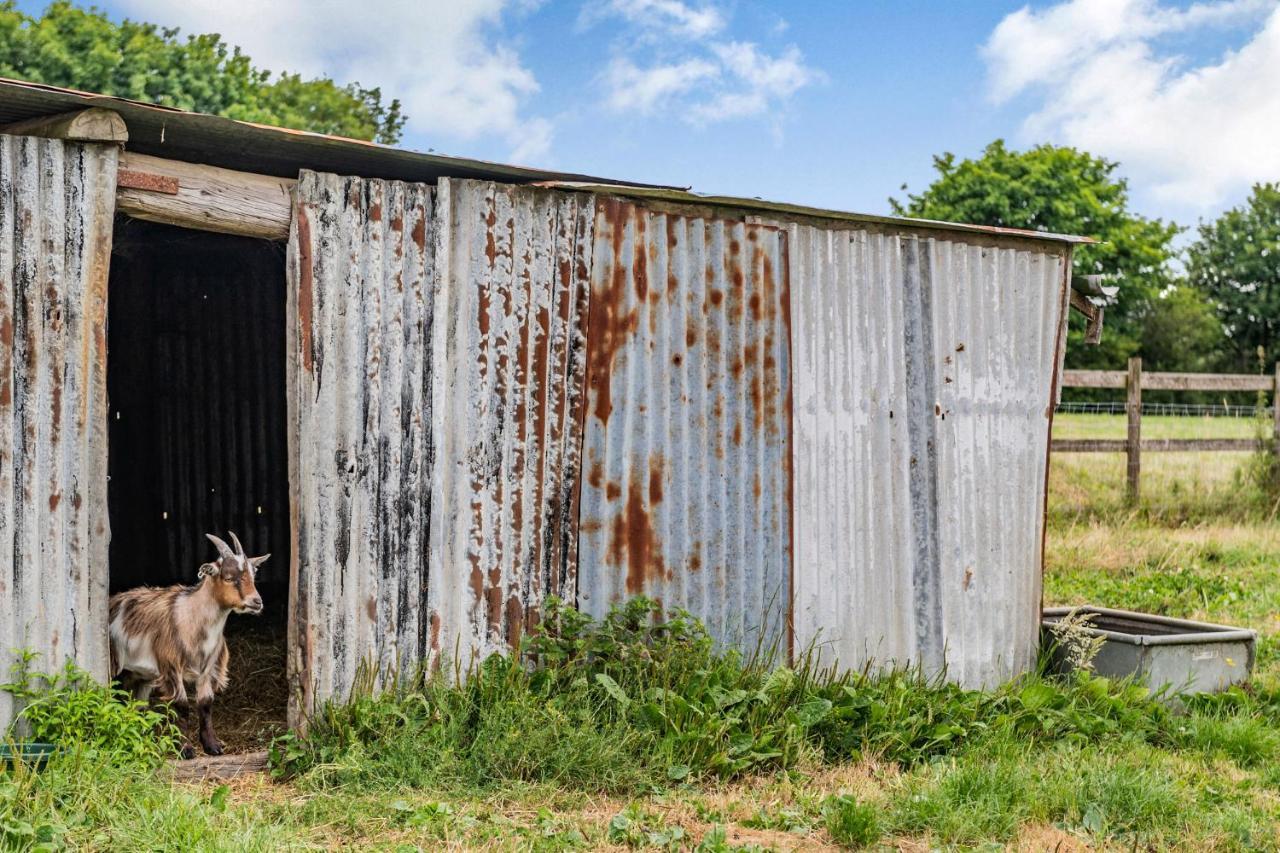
(1133, 408)
(1275, 411)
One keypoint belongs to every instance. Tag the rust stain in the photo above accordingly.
(305, 286)
(375, 212)
(755, 486)
(695, 558)
(371, 608)
(515, 621)
(640, 260)
(477, 581)
(634, 543)
(610, 320)
(490, 246)
(595, 476)
(690, 334)
(968, 577)
(54, 499)
(397, 223)
(613, 491)
(655, 478)
(419, 235)
(435, 630)
(737, 437)
(493, 598)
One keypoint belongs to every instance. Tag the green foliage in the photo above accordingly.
(1066, 191)
(73, 711)
(1236, 264)
(851, 823)
(84, 49)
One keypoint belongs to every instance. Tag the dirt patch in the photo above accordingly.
(252, 709)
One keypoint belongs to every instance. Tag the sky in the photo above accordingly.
(833, 104)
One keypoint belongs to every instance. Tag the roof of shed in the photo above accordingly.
(246, 146)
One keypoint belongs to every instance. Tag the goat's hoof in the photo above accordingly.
(213, 747)
(188, 751)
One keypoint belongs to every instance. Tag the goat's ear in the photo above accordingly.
(208, 570)
(258, 561)
(224, 550)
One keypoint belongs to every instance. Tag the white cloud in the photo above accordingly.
(446, 60)
(667, 17)
(1194, 134)
(694, 71)
(633, 89)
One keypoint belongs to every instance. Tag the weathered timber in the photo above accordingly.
(218, 767)
(1169, 381)
(91, 125)
(1133, 408)
(205, 198)
(1093, 316)
(1154, 445)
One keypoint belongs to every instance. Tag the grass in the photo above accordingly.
(627, 738)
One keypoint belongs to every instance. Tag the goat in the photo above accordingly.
(166, 638)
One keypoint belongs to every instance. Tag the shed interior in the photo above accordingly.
(196, 382)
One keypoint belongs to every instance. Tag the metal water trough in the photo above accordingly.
(1185, 656)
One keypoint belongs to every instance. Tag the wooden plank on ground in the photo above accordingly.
(218, 767)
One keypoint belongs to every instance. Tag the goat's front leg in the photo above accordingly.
(204, 706)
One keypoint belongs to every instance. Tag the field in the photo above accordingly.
(558, 764)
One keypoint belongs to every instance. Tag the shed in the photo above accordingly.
(441, 390)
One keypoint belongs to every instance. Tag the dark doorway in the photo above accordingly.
(196, 381)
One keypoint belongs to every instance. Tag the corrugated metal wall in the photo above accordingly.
(361, 457)
(686, 496)
(514, 265)
(923, 381)
(57, 201)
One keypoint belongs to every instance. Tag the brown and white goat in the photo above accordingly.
(164, 639)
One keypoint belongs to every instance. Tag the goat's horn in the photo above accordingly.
(224, 549)
(236, 540)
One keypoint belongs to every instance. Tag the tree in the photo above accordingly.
(84, 49)
(1059, 189)
(1236, 264)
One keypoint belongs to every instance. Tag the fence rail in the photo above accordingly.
(1133, 381)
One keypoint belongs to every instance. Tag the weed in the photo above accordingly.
(851, 823)
(70, 709)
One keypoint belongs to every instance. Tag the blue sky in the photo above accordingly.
(827, 103)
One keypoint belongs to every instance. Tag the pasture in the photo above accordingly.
(567, 759)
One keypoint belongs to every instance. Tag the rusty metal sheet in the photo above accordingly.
(57, 202)
(514, 265)
(924, 371)
(686, 493)
(360, 312)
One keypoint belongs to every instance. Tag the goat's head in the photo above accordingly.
(232, 576)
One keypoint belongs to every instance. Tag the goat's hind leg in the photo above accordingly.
(204, 707)
(174, 691)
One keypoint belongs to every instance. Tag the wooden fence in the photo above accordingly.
(1133, 381)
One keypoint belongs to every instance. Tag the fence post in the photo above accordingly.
(1133, 406)
(1275, 411)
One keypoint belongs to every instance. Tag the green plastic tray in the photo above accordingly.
(35, 755)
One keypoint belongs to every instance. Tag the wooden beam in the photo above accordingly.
(1154, 445)
(1169, 381)
(91, 125)
(205, 198)
(1093, 314)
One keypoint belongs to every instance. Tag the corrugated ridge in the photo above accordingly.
(686, 451)
(515, 264)
(360, 271)
(992, 313)
(56, 206)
